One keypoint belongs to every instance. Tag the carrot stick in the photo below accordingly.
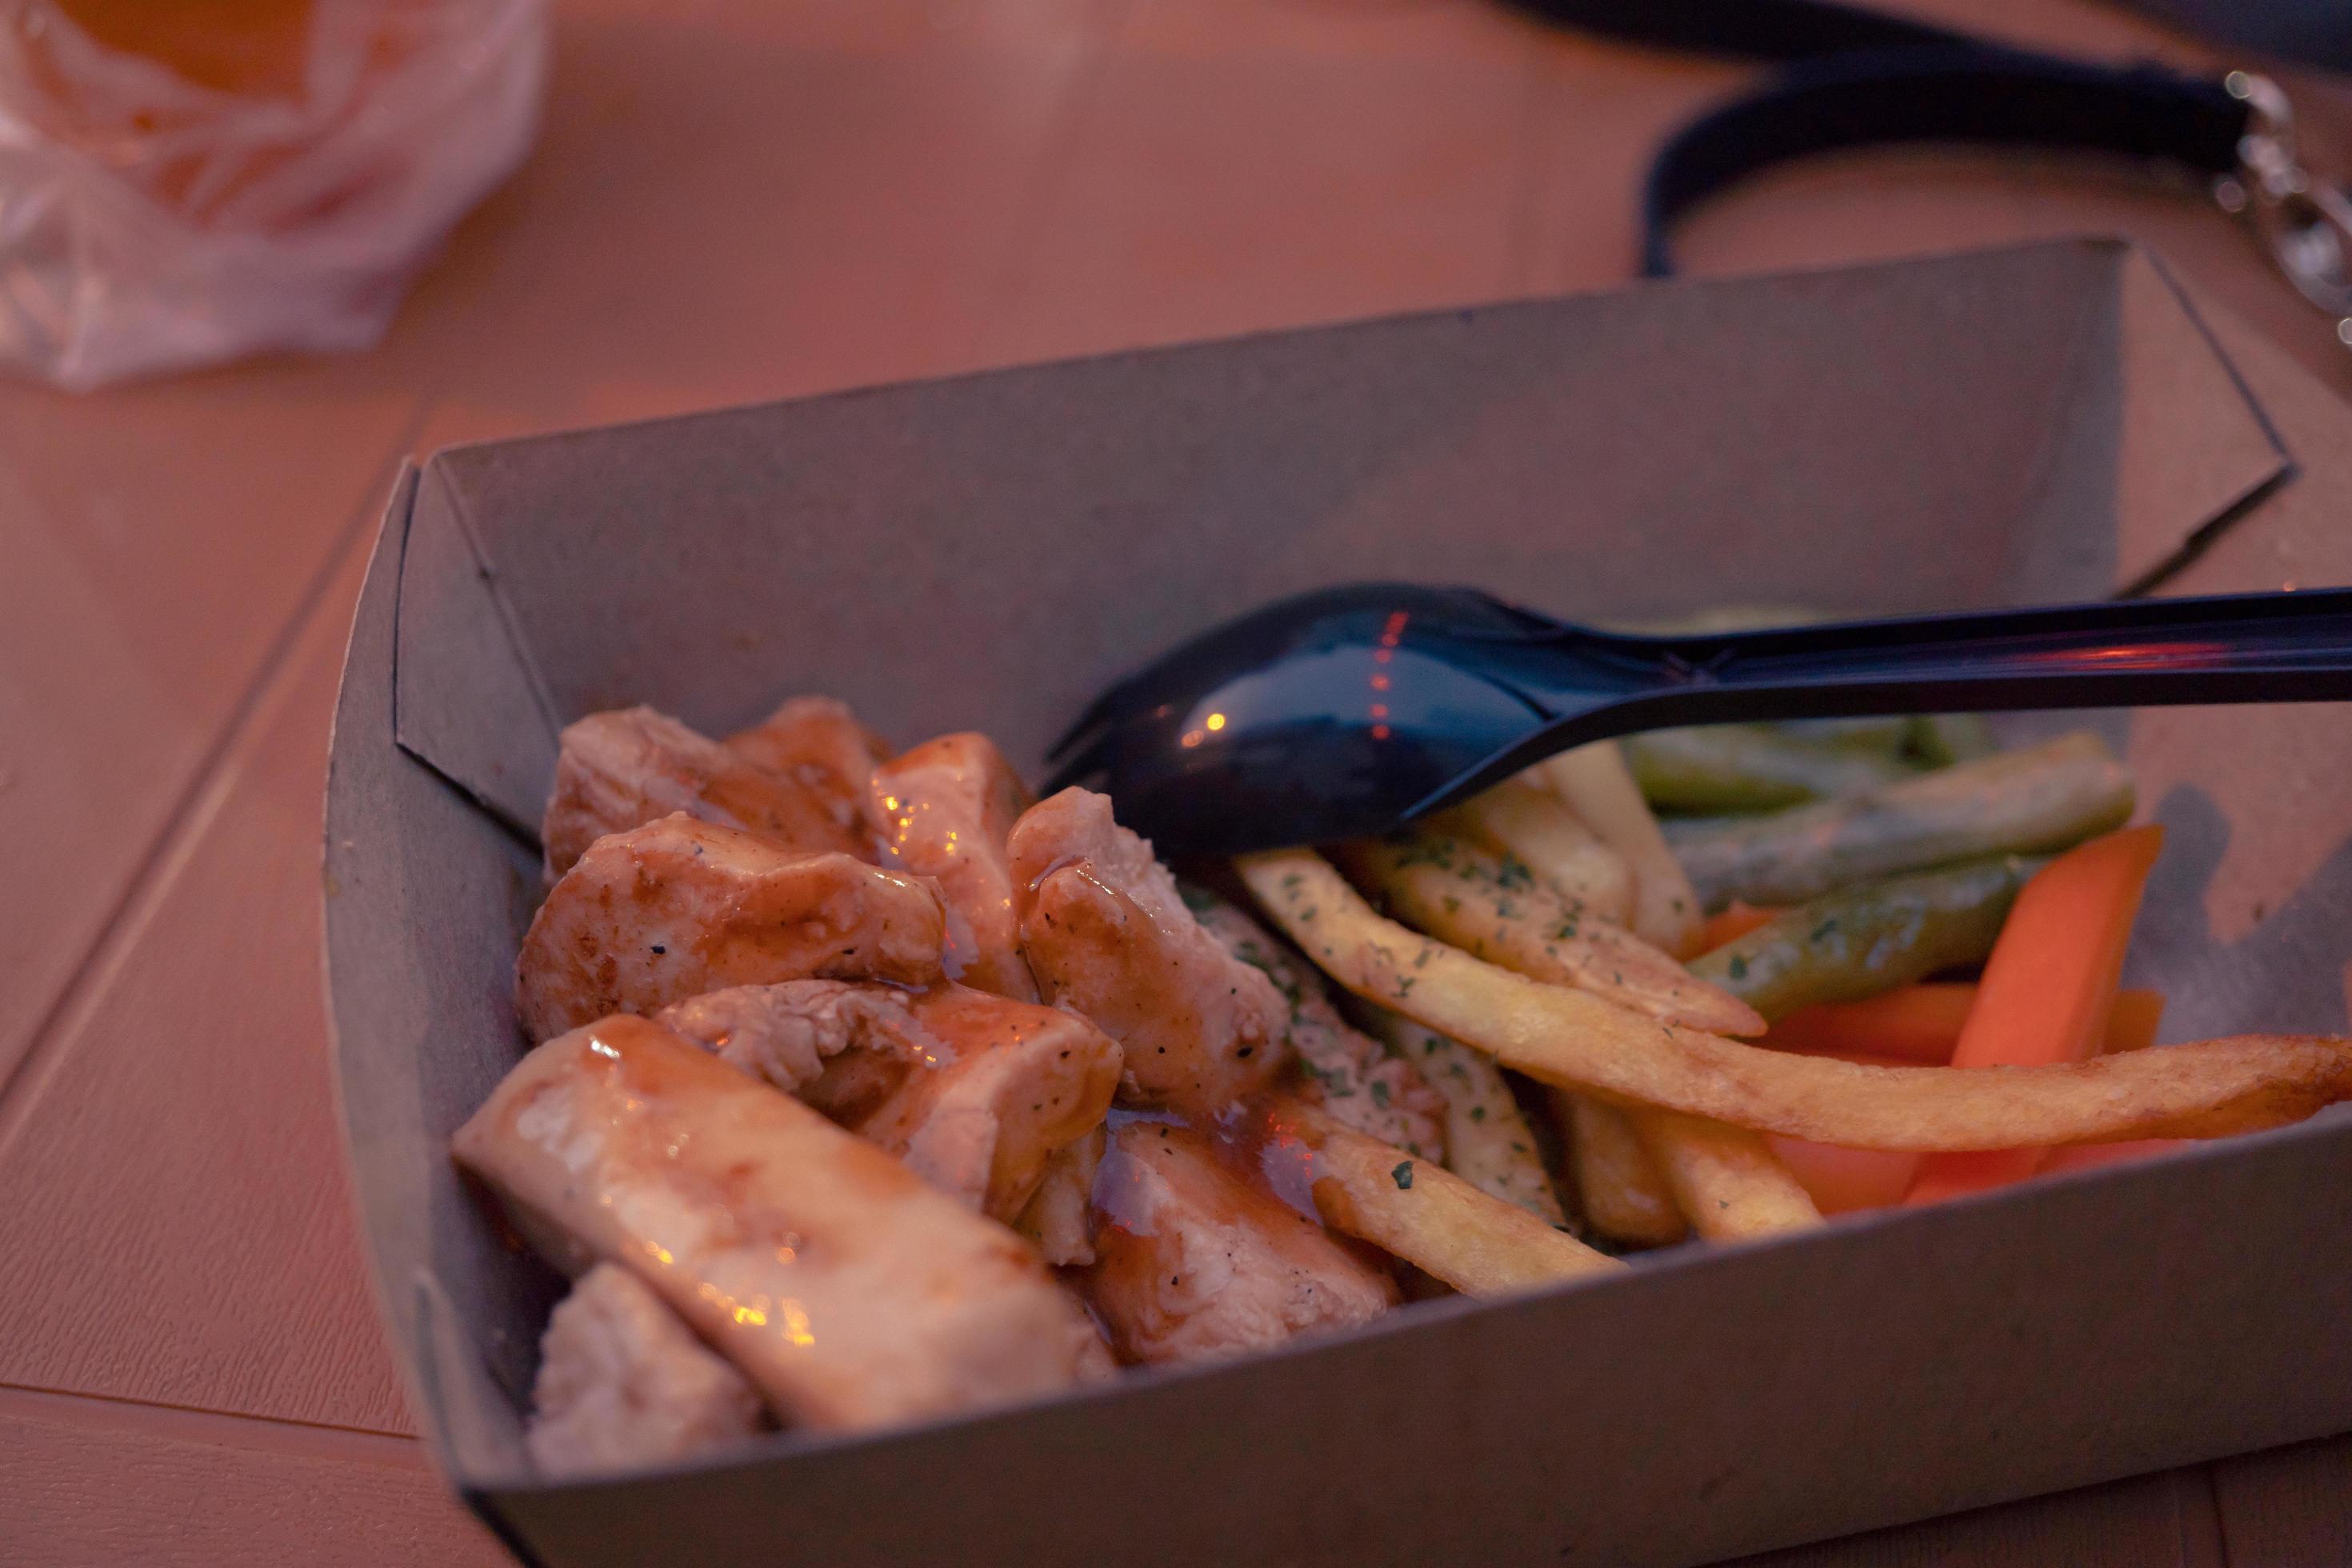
(1911, 1023)
(1841, 1180)
(1921, 1024)
(2048, 987)
(1730, 924)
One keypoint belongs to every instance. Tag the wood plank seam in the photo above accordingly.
(182, 827)
(2198, 1504)
(185, 1422)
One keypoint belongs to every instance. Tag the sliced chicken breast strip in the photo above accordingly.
(849, 1292)
(623, 1384)
(1108, 935)
(679, 907)
(634, 766)
(817, 746)
(946, 809)
(1060, 1216)
(1195, 1262)
(977, 1093)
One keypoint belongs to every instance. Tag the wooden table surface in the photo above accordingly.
(731, 201)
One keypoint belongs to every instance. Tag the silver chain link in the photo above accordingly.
(2305, 222)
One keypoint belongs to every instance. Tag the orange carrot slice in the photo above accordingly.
(2048, 987)
(1913, 1024)
(1730, 924)
(1921, 1024)
(1842, 1181)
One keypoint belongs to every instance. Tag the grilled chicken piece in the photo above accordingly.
(849, 1292)
(631, 767)
(679, 907)
(1106, 934)
(1344, 1070)
(1060, 1216)
(946, 809)
(977, 1093)
(1194, 1261)
(817, 746)
(623, 1384)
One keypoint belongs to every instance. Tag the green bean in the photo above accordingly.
(1861, 940)
(1940, 740)
(1748, 767)
(2043, 798)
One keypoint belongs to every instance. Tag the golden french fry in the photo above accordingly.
(1487, 1142)
(1723, 1179)
(1490, 906)
(1578, 1040)
(1595, 783)
(1427, 1215)
(1537, 826)
(1625, 1194)
(1726, 1180)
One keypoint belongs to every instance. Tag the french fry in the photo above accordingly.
(1490, 906)
(1578, 1040)
(1723, 1179)
(1427, 1215)
(1727, 1183)
(1623, 1193)
(1598, 786)
(1487, 1142)
(1534, 824)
